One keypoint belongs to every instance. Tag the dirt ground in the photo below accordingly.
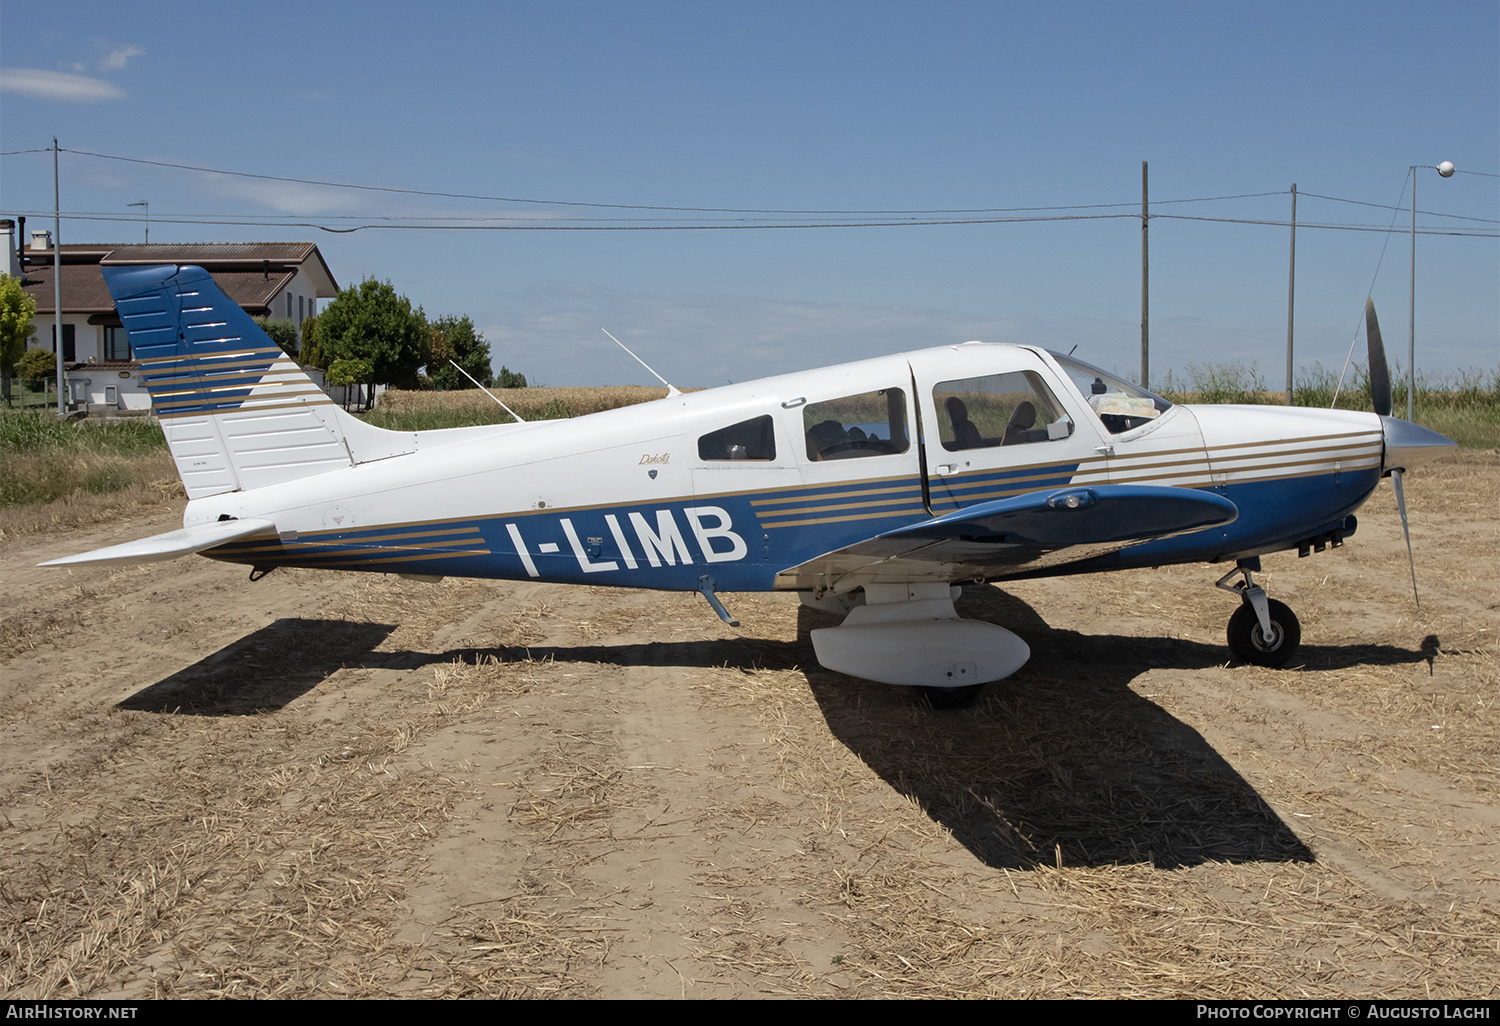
(340, 784)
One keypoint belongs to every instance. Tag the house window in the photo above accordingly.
(70, 354)
(288, 306)
(116, 344)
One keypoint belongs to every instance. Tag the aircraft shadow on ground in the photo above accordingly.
(1061, 762)
(264, 670)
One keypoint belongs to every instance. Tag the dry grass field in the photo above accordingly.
(351, 785)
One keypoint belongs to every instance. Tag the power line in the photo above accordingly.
(1329, 226)
(635, 206)
(521, 199)
(1387, 206)
(807, 218)
(271, 221)
(552, 226)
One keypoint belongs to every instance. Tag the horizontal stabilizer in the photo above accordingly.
(170, 545)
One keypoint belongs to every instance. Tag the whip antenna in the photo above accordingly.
(671, 388)
(486, 391)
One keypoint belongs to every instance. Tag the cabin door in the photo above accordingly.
(997, 421)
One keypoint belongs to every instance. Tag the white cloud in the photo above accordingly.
(118, 54)
(58, 85)
(283, 197)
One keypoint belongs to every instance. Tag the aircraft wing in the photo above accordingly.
(172, 544)
(1039, 529)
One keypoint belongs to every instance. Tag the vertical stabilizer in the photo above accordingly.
(238, 413)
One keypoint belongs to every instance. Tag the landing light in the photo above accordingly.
(1071, 500)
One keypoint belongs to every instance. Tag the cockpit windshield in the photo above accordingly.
(1119, 404)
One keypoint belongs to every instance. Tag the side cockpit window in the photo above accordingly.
(998, 409)
(866, 424)
(751, 439)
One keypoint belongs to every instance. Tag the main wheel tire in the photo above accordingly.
(1247, 644)
(953, 698)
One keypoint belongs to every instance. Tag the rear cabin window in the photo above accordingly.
(998, 409)
(867, 424)
(750, 439)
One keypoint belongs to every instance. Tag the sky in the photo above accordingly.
(585, 115)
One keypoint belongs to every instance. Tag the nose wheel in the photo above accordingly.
(1262, 632)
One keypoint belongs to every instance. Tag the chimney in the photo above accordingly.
(8, 238)
(41, 239)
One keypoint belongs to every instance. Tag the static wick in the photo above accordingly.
(486, 391)
(671, 388)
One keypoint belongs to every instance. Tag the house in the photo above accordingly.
(277, 280)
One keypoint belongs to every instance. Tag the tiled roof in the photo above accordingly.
(200, 253)
(84, 290)
(250, 273)
(205, 254)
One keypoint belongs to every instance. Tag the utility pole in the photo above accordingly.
(1145, 286)
(1291, 295)
(57, 322)
(1445, 169)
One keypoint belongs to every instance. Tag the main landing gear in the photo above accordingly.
(1262, 631)
(910, 634)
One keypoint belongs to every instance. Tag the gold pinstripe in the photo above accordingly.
(302, 536)
(919, 508)
(170, 415)
(219, 396)
(846, 493)
(152, 361)
(832, 507)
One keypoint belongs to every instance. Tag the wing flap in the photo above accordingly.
(1048, 528)
(170, 545)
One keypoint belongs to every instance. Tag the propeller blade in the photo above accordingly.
(1380, 371)
(1401, 505)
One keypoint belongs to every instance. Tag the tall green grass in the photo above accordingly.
(424, 411)
(43, 458)
(1463, 406)
(434, 418)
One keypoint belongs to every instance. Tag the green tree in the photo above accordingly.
(348, 373)
(16, 311)
(454, 338)
(37, 367)
(308, 355)
(508, 378)
(283, 333)
(370, 321)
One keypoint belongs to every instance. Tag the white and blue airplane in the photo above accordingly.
(873, 489)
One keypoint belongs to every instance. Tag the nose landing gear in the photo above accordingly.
(1262, 631)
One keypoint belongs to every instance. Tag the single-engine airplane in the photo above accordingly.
(873, 488)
